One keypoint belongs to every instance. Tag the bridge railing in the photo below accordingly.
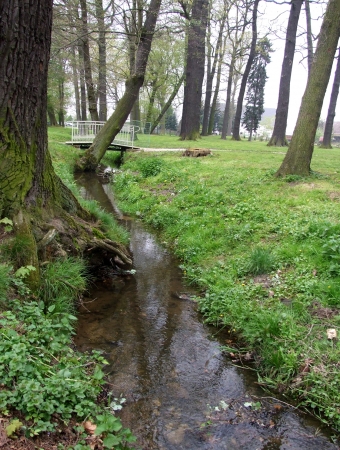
(85, 132)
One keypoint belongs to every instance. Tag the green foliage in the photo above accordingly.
(150, 167)
(107, 424)
(40, 375)
(24, 271)
(63, 281)
(15, 249)
(256, 83)
(5, 280)
(8, 224)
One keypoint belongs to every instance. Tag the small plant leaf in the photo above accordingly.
(110, 441)
(6, 221)
(14, 426)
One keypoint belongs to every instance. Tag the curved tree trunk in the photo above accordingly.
(327, 135)
(279, 133)
(299, 155)
(94, 154)
(238, 114)
(190, 128)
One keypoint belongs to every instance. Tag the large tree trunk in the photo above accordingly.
(299, 155)
(190, 128)
(226, 115)
(83, 101)
(210, 79)
(309, 36)
(238, 114)
(279, 133)
(30, 192)
(94, 154)
(75, 82)
(327, 135)
(217, 89)
(102, 61)
(91, 91)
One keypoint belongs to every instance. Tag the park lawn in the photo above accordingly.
(265, 253)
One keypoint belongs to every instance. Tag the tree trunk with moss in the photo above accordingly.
(298, 158)
(278, 137)
(31, 194)
(327, 135)
(95, 153)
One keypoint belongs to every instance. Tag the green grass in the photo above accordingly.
(265, 252)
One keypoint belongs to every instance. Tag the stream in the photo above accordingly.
(181, 391)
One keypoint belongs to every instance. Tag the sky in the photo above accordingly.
(276, 17)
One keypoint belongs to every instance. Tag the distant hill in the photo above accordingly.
(268, 112)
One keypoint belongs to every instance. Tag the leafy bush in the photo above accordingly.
(150, 167)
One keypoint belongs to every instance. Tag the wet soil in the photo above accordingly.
(181, 391)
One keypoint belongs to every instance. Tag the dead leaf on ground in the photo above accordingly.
(89, 427)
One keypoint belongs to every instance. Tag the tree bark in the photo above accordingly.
(83, 101)
(217, 90)
(210, 79)
(226, 115)
(94, 154)
(190, 128)
(238, 114)
(278, 137)
(327, 135)
(309, 35)
(299, 155)
(91, 91)
(102, 61)
(75, 73)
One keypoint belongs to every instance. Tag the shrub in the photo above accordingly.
(150, 167)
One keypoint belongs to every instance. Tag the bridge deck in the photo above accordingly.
(113, 146)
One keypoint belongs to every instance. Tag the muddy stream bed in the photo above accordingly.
(168, 364)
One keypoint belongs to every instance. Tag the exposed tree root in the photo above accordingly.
(41, 235)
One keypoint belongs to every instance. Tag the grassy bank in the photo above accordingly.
(49, 396)
(264, 251)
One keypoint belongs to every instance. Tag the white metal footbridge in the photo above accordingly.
(84, 132)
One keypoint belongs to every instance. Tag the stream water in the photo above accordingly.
(168, 364)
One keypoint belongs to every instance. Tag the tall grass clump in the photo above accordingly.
(63, 282)
(5, 280)
(261, 261)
